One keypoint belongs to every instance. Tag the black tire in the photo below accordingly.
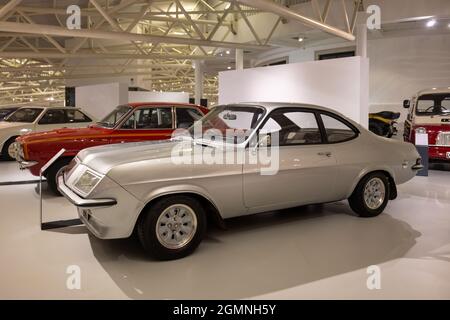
(376, 128)
(5, 148)
(357, 202)
(52, 172)
(146, 228)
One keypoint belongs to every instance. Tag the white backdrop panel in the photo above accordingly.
(100, 99)
(339, 84)
(149, 96)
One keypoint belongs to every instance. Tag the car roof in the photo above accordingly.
(51, 107)
(275, 105)
(157, 104)
(434, 90)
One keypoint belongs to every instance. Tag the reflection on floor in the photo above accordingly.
(9, 172)
(307, 252)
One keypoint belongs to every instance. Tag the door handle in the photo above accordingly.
(327, 154)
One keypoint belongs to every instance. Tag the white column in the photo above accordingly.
(239, 59)
(361, 40)
(198, 81)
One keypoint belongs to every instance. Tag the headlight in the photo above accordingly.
(421, 130)
(87, 182)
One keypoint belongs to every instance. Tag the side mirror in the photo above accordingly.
(406, 104)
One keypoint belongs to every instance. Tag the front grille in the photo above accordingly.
(443, 139)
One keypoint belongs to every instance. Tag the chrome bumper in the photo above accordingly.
(77, 200)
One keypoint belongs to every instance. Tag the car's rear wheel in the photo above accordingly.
(371, 195)
(53, 172)
(172, 228)
(9, 150)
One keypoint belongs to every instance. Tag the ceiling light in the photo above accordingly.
(300, 39)
(431, 23)
(229, 67)
(31, 99)
(228, 52)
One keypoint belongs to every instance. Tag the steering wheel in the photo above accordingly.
(432, 107)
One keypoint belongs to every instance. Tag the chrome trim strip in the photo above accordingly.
(417, 167)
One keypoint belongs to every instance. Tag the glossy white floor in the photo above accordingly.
(307, 252)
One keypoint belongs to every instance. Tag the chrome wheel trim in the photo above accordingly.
(374, 193)
(12, 150)
(176, 226)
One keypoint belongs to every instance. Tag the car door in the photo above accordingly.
(306, 166)
(342, 138)
(76, 119)
(186, 116)
(146, 123)
(52, 119)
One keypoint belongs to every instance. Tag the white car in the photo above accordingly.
(38, 119)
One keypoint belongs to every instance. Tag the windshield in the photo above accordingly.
(114, 117)
(5, 111)
(232, 123)
(27, 115)
(433, 104)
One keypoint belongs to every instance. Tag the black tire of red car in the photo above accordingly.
(5, 153)
(147, 232)
(376, 128)
(357, 202)
(52, 173)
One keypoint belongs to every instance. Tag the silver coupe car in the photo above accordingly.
(277, 155)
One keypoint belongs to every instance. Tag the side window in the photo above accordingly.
(75, 116)
(55, 116)
(150, 118)
(293, 127)
(187, 116)
(336, 130)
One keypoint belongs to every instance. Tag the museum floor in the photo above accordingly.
(307, 252)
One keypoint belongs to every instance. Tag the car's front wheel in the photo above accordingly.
(52, 173)
(172, 228)
(9, 150)
(371, 195)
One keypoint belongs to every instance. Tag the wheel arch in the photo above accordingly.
(385, 171)
(211, 210)
(13, 137)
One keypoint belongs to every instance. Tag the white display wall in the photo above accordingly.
(98, 100)
(339, 84)
(144, 96)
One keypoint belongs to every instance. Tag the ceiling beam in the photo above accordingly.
(123, 36)
(287, 13)
(8, 7)
(58, 55)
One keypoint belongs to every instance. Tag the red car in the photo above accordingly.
(127, 123)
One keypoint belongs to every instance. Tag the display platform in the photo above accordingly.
(10, 174)
(305, 252)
